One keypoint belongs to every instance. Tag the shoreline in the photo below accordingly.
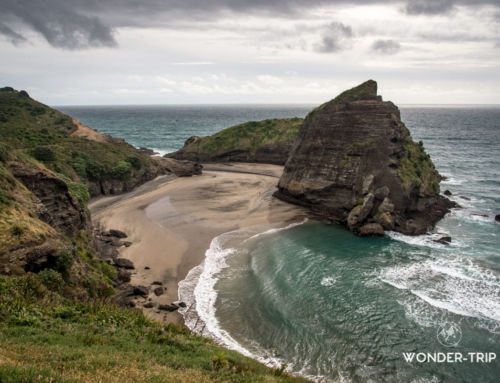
(172, 222)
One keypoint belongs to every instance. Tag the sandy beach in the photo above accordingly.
(171, 222)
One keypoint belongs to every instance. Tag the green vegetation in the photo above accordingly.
(357, 93)
(46, 337)
(77, 190)
(45, 134)
(416, 169)
(248, 136)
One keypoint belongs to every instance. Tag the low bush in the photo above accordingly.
(44, 153)
(51, 279)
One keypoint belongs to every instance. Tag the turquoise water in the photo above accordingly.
(342, 308)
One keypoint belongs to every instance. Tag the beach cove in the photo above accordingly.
(171, 222)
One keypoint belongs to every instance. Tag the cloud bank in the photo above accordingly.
(76, 24)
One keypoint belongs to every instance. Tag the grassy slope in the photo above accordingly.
(46, 338)
(44, 133)
(247, 136)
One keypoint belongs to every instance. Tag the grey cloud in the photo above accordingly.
(14, 37)
(439, 7)
(60, 25)
(429, 7)
(77, 24)
(335, 38)
(386, 47)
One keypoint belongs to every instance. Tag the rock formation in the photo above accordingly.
(267, 141)
(355, 163)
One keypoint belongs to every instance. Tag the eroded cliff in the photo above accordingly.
(355, 162)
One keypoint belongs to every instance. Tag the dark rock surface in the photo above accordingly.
(116, 233)
(181, 168)
(148, 152)
(56, 205)
(446, 240)
(497, 218)
(447, 192)
(124, 263)
(142, 291)
(159, 291)
(355, 163)
(171, 307)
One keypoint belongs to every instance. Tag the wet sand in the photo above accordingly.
(171, 222)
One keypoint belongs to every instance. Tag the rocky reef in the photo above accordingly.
(354, 162)
(268, 141)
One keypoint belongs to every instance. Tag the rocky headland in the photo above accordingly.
(268, 141)
(354, 162)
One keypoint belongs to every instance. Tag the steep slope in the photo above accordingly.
(356, 163)
(106, 165)
(267, 141)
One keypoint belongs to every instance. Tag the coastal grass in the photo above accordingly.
(357, 93)
(417, 170)
(248, 136)
(45, 134)
(45, 337)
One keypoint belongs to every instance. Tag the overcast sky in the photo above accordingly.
(70, 52)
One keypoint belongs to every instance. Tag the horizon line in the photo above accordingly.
(267, 104)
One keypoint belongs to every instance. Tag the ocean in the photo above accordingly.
(336, 307)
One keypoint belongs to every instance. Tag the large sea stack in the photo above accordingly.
(355, 162)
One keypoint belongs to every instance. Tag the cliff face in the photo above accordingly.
(355, 163)
(50, 165)
(267, 141)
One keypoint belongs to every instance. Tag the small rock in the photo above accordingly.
(127, 243)
(497, 218)
(382, 192)
(465, 198)
(149, 305)
(147, 268)
(143, 291)
(182, 304)
(443, 240)
(125, 263)
(447, 192)
(131, 304)
(371, 229)
(157, 283)
(170, 308)
(123, 276)
(159, 291)
(148, 152)
(115, 233)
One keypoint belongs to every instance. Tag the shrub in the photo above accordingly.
(79, 191)
(44, 153)
(17, 230)
(52, 279)
(87, 167)
(64, 262)
(120, 170)
(94, 169)
(219, 361)
(134, 161)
